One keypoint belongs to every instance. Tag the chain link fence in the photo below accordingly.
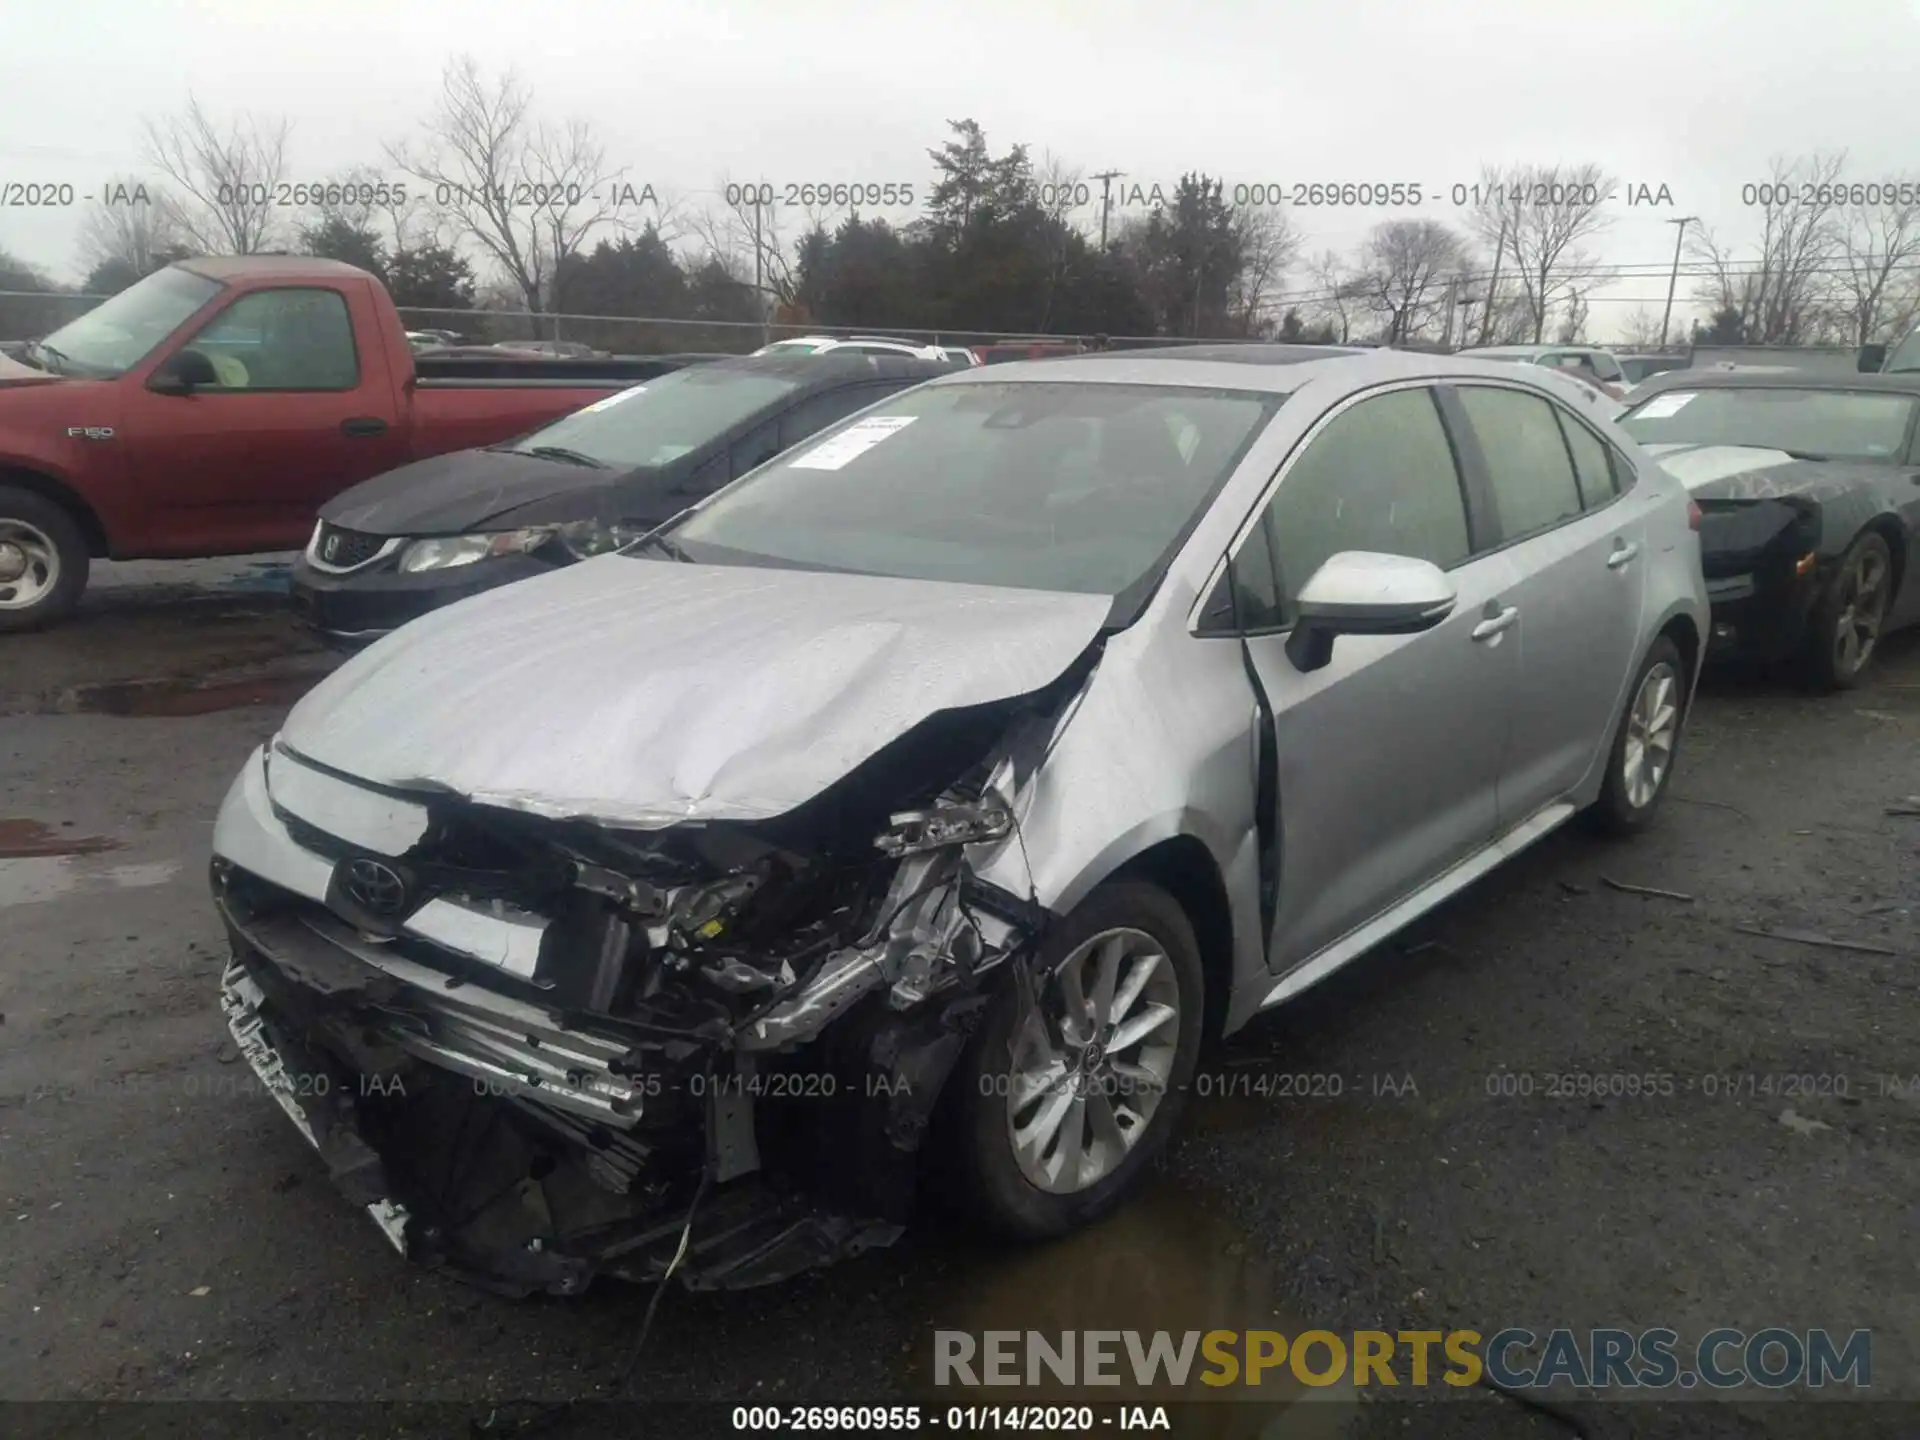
(26, 315)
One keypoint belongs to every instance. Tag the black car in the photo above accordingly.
(1809, 491)
(422, 536)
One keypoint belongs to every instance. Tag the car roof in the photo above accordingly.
(306, 267)
(1899, 383)
(833, 369)
(1574, 349)
(1278, 369)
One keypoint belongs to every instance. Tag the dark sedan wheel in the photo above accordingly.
(1645, 743)
(43, 560)
(1844, 629)
(1064, 1104)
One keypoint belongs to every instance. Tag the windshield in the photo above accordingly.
(1830, 424)
(119, 333)
(659, 421)
(1075, 487)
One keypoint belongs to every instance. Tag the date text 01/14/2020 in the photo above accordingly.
(1374, 194)
(905, 1419)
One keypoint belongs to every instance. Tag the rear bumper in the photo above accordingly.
(353, 610)
(1760, 616)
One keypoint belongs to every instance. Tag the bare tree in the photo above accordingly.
(132, 235)
(1573, 320)
(755, 236)
(1534, 220)
(527, 194)
(1879, 245)
(1783, 296)
(1269, 244)
(226, 178)
(1641, 329)
(1405, 266)
(1339, 295)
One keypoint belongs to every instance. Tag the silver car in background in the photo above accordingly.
(925, 796)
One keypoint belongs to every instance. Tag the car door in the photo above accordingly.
(298, 415)
(1388, 759)
(1576, 538)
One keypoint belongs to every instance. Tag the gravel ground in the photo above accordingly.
(172, 1237)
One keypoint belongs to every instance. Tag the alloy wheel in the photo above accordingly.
(1653, 724)
(1863, 607)
(1091, 1060)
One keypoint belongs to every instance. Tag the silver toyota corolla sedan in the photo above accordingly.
(919, 802)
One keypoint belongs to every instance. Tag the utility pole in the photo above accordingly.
(1106, 179)
(1493, 281)
(1679, 234)
(1448, 304)
(759, 268)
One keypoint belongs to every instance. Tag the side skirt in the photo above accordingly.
(1355, 943)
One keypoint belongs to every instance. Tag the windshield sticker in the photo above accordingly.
(852, 442)
(611, 400)
(1661, 406)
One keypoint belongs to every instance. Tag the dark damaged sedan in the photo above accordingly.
(1809, 487)
(440, 530)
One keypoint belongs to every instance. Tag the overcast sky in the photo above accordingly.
(1693, 94)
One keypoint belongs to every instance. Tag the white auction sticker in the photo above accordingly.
(1661, 406)
(852, 442)
(599, 405)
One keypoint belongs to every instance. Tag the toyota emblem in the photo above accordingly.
(330, 551)
(378, 888)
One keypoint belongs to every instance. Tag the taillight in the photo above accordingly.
(1693, 515)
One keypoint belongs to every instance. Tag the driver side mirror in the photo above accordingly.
(186, 372)
(1871, 358)
(1362, 592)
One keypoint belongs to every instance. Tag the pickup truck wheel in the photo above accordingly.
(43, 560)
(1065, 1102)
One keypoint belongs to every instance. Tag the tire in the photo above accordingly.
(1842, 635)
(43, 561)
(1625, 807)
(1140, 920)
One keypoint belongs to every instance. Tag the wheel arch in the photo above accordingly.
(1888, 527)
(1182, 866)
(67, 498)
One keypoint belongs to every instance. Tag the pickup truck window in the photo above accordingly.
(1906, 355)
(119, 333)
(292, 339)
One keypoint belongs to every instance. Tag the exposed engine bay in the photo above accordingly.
(537, 1050)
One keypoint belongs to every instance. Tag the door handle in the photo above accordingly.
(1497, 620)
(1623, 553)
(364, 425)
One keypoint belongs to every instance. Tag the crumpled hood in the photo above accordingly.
(462, 490)
(1751, 472)
(649, 692)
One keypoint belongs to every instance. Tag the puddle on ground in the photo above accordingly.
(174, 698)
(20, 839)
(47, 877)
(1163, 1262)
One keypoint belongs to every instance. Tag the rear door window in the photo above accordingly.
(1532, 476)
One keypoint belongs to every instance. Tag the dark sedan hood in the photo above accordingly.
(465, 490)
(1749, 472)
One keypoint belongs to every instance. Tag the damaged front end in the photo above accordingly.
(537, 1050)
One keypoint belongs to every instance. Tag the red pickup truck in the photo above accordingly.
(213, 407)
